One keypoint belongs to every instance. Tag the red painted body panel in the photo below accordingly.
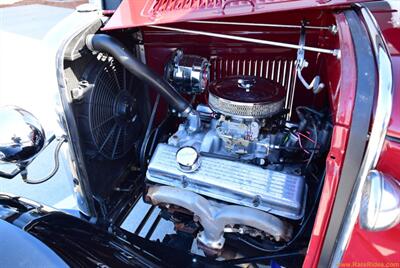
(344, 100)
(390, 159)
(343, 94)
(373, 249)
(147, 12)
(333, 170)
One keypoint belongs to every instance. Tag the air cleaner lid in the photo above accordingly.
(249, 89)
(246, 96)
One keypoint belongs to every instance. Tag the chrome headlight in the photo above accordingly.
(380, 203)
(21, 135)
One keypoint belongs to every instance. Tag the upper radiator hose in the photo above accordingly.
(106, 43)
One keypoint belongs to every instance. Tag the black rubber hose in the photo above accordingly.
(110, 45)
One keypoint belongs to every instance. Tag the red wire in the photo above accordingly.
(308, 138)
(301, 146)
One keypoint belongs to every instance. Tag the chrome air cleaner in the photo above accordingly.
(246, 97)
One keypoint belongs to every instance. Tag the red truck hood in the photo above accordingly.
(134, 13)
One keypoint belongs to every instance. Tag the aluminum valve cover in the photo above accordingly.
(234, 182)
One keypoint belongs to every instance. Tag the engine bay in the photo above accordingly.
(243, 165)
(230, 148)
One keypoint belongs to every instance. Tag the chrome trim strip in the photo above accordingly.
(377, 136)
(334, 52)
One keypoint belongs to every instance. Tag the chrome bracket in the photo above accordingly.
(302, 63)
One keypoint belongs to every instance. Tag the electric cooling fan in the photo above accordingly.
(113, 119)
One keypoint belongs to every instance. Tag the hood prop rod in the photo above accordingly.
(334, 52)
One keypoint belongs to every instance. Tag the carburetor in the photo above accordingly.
(239, 109)
(237, 134)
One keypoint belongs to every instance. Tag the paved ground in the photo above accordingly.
(22, 29)
(56, 3)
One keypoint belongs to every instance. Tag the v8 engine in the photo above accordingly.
(243, 170)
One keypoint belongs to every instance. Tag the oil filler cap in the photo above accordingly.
(188, 159)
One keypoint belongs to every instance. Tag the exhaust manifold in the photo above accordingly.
(214, 219)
